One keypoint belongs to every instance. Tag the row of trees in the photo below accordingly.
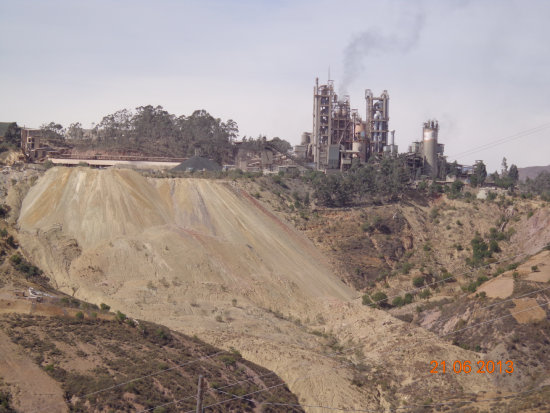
(508, 177)
(388, 178)
(155, 131)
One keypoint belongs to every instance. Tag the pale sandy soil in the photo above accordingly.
(500, 287)
(528, 310)
(31, 387)
(542, 261)
(205, 258)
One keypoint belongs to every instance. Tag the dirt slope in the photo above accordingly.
(34, 389)
(205, 258)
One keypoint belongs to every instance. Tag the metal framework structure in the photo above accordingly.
(377, 120)
(338, 131)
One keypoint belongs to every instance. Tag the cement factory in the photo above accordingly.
(340, 135)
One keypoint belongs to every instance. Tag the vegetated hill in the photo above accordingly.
(422, 260)
(58, 353)
(98, 364)
(205, 257)
(518, 300)
(531, 172)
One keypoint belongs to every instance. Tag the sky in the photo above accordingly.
(481, 68)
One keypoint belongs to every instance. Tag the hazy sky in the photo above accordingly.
(482, 68)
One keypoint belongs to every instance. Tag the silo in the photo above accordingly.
(429, 147)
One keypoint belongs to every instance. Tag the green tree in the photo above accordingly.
(380, 298)
(75, 131)
(480, 249)
(480, 173)
(53, 131)
(513, 173)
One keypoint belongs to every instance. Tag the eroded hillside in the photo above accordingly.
(204, 257)
(58, 354)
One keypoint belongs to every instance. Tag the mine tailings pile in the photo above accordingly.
(204, 258)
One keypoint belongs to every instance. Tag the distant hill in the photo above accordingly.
(531, 171)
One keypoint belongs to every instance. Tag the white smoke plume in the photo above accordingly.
(377, 42)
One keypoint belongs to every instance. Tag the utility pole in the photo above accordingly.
(200, 395)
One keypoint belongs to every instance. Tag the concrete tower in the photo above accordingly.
(430, 147)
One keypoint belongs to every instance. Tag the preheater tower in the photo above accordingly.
(378, 117)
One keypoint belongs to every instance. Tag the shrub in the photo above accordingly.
(16, 259)
(3, 233)
(4, 210)
(120, 316)
(366, 227)
(534, 268)
(367, 301)
(493, 246)
(472, 287)
(408, 298)
(79, 315)
(5, 402)
(480, 250)
(104, 307)
(380, 298)
(418, 282)
(397, 302)
(11, 242)
(406, 267)
(425, 293)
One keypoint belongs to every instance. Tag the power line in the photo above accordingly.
(453, 332)
(271, 373)
(501, 141)
(499, 302)
(335, 353)
(448, 278)
(149, 375)
(402, 348)
(219, 388)
(244, 395)
(509, 396)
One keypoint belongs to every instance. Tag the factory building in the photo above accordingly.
(339, 133)
(426, 156)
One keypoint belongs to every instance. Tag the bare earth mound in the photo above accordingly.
(204, 258)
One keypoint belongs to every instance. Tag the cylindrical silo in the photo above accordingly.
(429, 147)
